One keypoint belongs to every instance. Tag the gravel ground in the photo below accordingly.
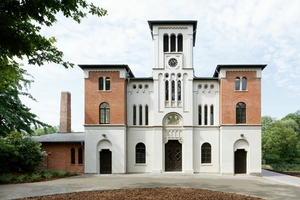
(146, 193)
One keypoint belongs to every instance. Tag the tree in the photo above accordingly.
(280, 144)
(44, 131)
(20, 25)
(296, 117)
(18, 153)
(266, 122)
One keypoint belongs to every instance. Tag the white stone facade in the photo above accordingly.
(173, 115)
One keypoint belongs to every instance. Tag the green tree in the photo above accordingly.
(18, 153)
(266, 122)
(20, 25)
(280, 144)
(296, 117)
(46, 130)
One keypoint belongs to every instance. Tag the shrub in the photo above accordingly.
(35, 177)
(48, 174)
(61, 173)
(22, 178)
(6, 178)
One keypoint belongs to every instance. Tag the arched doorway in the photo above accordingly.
(173, 156)
(173, 141)
(105, 157)
(240, 156)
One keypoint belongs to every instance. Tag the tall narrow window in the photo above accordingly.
(104, 113)
(72, 156)
(211, 115)
(101, 83)
(205, 115)
(141, 114)
(140, 153)
(134, 114)
(167, 90)
(173, 43)
(107, 84)
(240, 113)
(237, 83)
(244, 83)
(180, 43)
(166, 43)
(179, 90)
(146, 115)
(80, 160)
(173, 90)
(206, 153)
(199, 115)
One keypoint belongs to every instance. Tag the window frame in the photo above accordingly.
(140, 153)
(104, 113)
(80, 156)
(206, 155)
(241, 113)
(73, 158)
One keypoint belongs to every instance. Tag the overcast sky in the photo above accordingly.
(228, 32)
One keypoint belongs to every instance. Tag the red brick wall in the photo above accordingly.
(229, 98)
(59, 157)
(116, 98)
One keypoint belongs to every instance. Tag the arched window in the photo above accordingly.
(180, 43)
(179, 90)
(166, 43)
(107, 84)
(141, 115)
(206, 153)
(244, 83)
(173, 90)
(240, 113)
(167, 90)
(205, 115)
(146, 115)
(80, 160)
(211, 115)
(101, 83)
(140, 153)
(199, 115)
(104, 113)
(173, 43)
(237, 83)
(72, 156)
(134, 114)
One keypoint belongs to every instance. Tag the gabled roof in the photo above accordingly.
(109, 66)
(241, 66)
(175, 22)
(60, 137)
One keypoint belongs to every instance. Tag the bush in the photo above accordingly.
(48, 174)
(61, 173)
(6, 178)
(35, 177)
(22, 178)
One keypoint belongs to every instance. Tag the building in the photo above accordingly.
(173, 121)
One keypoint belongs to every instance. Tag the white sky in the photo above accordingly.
(228, 32)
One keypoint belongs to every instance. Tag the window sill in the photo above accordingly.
(140, 164)
(241, 90)
(206, 164)
(104, 90)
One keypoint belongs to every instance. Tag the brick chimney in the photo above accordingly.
(65, 112)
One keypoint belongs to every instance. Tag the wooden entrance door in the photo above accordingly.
(105, 161)
(173, 156)
(240, 161)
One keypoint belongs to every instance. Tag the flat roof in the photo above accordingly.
(175, 22)
(106, 66)
(216, 73)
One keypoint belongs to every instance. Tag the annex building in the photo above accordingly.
(170, 122)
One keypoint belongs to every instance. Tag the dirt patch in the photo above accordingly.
(145, 193)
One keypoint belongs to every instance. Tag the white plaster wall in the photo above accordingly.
(116, 135)
(135, 136)
(210, 135)
(231, 134)
(187, 151)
